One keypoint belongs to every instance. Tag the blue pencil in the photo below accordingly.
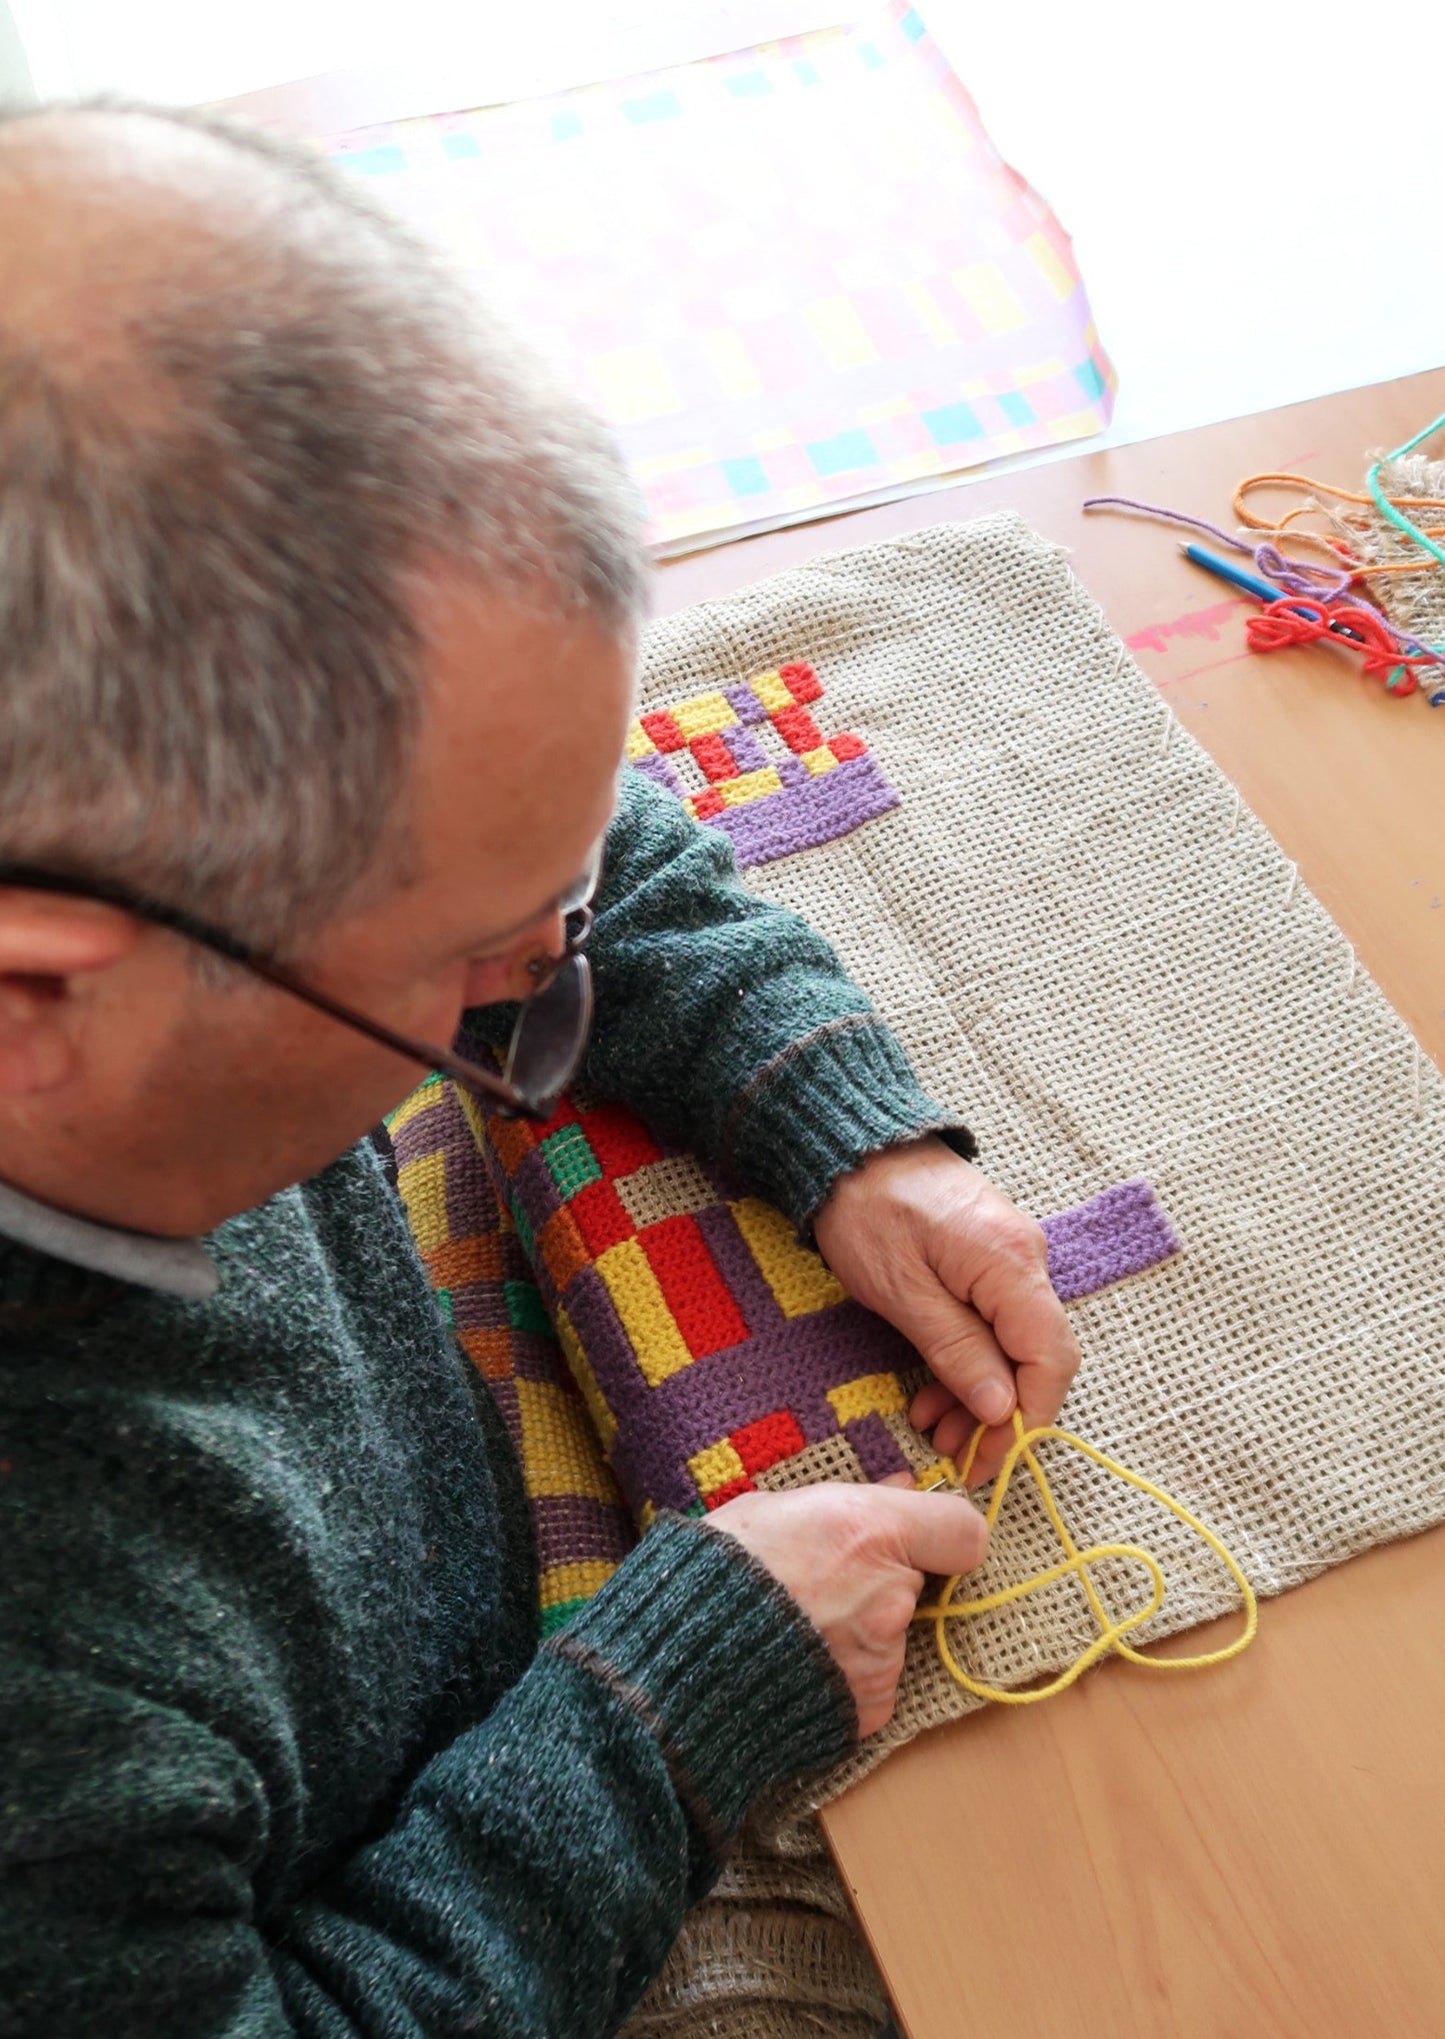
(1253, 584)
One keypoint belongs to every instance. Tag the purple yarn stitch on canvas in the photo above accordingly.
(879, 1452)
(808, 811)
(747, 753)
(1120, 1231)
(745, 704)
(657, 767)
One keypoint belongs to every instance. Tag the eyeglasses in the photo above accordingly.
(546, 1043)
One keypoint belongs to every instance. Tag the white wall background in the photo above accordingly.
(16, 85)
(1253, 193)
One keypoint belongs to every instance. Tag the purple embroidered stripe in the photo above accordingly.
(745, 704)
(747, 753)
(811, 812)
(877, 1448)
(1120, 1231)
(657, 767)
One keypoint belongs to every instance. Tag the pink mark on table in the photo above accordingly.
(1211, 666)
(1193, 623)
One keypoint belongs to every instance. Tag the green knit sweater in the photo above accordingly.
(279, 1752)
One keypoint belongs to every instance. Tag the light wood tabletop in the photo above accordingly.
(1256, 1852)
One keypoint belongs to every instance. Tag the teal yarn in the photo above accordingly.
(1398, 518)
(1382, 502)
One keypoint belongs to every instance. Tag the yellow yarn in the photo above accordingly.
(946, 1608)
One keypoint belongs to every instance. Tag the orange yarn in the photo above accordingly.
(1359, 569)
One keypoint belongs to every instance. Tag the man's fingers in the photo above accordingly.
(936, 1532)
(932, 1400)
(955, 1430)
(1030, 1325)
(962, 1350)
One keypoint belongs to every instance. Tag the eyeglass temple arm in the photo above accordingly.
(111, 893)
(423, 1053)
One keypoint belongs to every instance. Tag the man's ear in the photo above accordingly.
(51, 947)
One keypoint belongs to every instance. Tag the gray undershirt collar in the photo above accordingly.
(176, 1267)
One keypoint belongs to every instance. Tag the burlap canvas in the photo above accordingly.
(1416, 601)
(1112, 971)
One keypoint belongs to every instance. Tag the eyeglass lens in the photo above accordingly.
(551, 1032)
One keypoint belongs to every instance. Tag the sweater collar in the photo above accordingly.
(176, 1267)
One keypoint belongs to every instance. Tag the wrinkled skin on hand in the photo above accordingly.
(854, 1558)
(923, 1237)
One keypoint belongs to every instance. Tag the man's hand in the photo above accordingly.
(924, 1238)
(854, 1559)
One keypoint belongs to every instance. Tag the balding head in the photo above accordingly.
(116, 223)
(239, 410)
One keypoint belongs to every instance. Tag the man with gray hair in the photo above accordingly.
(318, 616)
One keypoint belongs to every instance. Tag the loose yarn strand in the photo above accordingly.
(1364, 498)
(1076, 1562)
(1296, 576)
(1392, 511)
(1301, 578)
(1301, 619)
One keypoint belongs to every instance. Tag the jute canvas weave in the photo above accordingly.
(1416, 601)
(1114, 972)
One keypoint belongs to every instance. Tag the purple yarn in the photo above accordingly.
(1120, 1231)
(1301, 576)
(1293, 576)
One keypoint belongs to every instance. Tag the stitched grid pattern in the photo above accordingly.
(1112, 971)
(483, 1282)
(708, 1342)
(769, 777)
(712, 1349)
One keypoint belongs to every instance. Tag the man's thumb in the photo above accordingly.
(941, 1533)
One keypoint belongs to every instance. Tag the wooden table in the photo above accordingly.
(1259, 1852)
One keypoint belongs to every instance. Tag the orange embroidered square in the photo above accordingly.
(562, 1249)
(477, 1257)
(513, 1140)
(489, 1348)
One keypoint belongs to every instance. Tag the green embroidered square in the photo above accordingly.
(523, 1223)
(571, 1160)
(557, 1617)
(524, 1308)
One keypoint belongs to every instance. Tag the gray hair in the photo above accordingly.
(209, 671)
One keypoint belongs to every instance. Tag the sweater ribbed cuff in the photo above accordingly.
(823, 1105)
(721, 1664)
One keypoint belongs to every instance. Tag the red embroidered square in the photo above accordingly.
(763, 1443)
(801, 681)
(619, 1140)
(700, 1300)
(714, 757)
(598, 1214)
(797, 729)
(664, 730)
(727, 1490)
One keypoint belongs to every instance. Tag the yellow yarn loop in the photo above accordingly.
(1112, 1633)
